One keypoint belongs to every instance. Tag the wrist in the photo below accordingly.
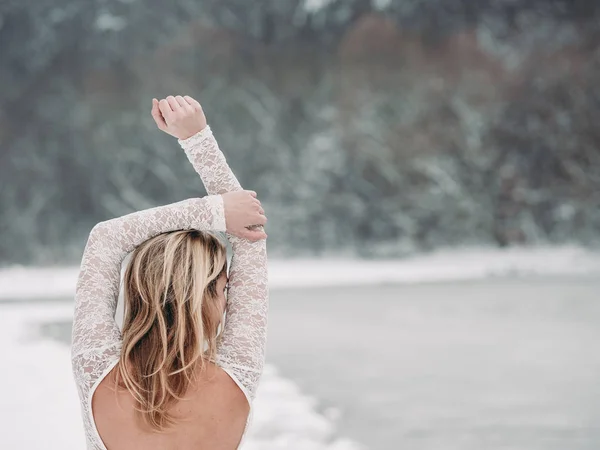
(196, 138)
(216, 207)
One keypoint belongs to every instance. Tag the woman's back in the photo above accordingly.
(212, 416)
(167, 330)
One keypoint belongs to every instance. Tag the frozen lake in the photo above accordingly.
(500, 363)
(491, 364)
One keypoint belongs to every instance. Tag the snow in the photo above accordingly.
(381, 5)
(109, 22)
(40, 394)
(467, 264)
(314, 6)
(39, 390)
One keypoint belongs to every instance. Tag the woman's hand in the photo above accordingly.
(242, 210)
(181, 117)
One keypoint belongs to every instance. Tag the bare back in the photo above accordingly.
(215, 412)
(212, 416)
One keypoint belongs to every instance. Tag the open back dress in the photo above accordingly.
(96, 338)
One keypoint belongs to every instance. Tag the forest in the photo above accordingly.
(369, 128)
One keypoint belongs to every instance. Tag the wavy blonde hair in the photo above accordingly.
(171, 318)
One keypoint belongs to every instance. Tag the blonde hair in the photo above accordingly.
(172, 314)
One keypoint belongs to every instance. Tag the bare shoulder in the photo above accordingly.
(215, 383)
(212, 386)
(214, 411)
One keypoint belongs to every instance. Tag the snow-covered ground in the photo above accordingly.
(39, 408)
(28, 283)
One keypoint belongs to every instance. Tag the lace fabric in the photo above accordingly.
(96, 339)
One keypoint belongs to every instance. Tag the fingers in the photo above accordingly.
(258, 206)
(183, 104)
(257, 202)
(180, 101)
(173, 103)
(261, 219)
(193, 102)
(157, 116)
(165, 109)
(169, 107)
(246, 213)
(254, 235)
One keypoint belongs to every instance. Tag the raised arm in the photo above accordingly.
(96, 337)
(209, 162)
(242, 343)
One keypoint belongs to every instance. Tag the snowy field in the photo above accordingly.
(373, 397)
(469, 264)
(40, 406)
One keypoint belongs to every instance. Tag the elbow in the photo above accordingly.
(99, 232)
(99, 229)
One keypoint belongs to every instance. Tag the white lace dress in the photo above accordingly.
(96, 340)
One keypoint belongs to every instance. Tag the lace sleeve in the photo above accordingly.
(96, 338)
(241, 349)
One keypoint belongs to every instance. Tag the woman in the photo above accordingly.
(168, 380)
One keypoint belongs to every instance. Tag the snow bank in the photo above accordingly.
(40, 407)
(40, 394)
(468, 264)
